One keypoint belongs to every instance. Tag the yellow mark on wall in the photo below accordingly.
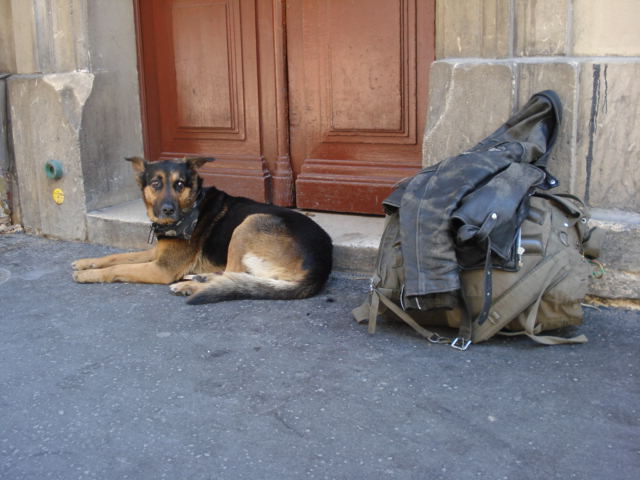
(58, 196)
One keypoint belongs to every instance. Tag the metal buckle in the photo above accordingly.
(464, 343)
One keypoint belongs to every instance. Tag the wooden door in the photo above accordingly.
(208, 76)
(329, 94)
(358, 91)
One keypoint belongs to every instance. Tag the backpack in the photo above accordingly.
(542, 291)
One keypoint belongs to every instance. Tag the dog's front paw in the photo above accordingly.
(77, 276)
(186, 288)
(87, 276)
(83, 264)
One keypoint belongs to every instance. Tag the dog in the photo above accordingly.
(216, 246)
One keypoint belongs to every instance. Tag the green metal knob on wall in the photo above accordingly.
(53, 169)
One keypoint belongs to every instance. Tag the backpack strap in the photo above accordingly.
(503, 310)
(428, 334)
(530, 330)
(361, 313)
(466, 330)
(368, 311)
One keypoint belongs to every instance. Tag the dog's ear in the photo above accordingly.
(137, 163)
(196, 162)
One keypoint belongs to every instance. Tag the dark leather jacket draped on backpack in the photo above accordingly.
(484, 193)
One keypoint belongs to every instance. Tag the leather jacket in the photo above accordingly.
(451, 212)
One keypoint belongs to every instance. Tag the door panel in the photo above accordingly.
(358, 89)
(203, 88)
(379, 94)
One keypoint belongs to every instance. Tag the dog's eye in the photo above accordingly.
(179, 186)
(156, 184)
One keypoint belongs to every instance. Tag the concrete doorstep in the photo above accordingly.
(356, 239)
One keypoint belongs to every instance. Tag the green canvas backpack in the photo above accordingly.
(543, 293)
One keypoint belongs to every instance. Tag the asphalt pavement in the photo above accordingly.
(123, 381)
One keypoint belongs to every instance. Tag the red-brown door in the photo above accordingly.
(358, 78)
(317, 103)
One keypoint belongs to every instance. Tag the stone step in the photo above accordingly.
(355, 237)
(620, 254)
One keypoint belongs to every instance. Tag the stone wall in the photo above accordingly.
(73, 97)
(492, 55)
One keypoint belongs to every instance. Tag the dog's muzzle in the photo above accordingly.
(184, 225)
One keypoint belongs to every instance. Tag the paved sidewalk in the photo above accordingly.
(128, 382)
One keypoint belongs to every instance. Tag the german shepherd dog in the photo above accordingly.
(222, 247)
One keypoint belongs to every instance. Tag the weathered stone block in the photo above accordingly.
(110, 132)
(621, 246)
(61, 28)
(47, 36)
(98, 124)
(541, 27)
(112, 126)
(7, 48)
(118, 233)
(46, 115)
(24, 37)
(620, 255)
(608, 138)
(467, 101)
(562, 78)
(472, 28)
(4, 150)
(606, 28)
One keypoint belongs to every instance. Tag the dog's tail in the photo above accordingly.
(239, 286)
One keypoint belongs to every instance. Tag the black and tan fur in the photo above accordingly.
(239, 248)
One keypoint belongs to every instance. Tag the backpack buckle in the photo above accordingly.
(460, 343)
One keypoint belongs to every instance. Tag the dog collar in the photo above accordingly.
(183, 228)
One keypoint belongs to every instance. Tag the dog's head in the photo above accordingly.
(169, 188)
